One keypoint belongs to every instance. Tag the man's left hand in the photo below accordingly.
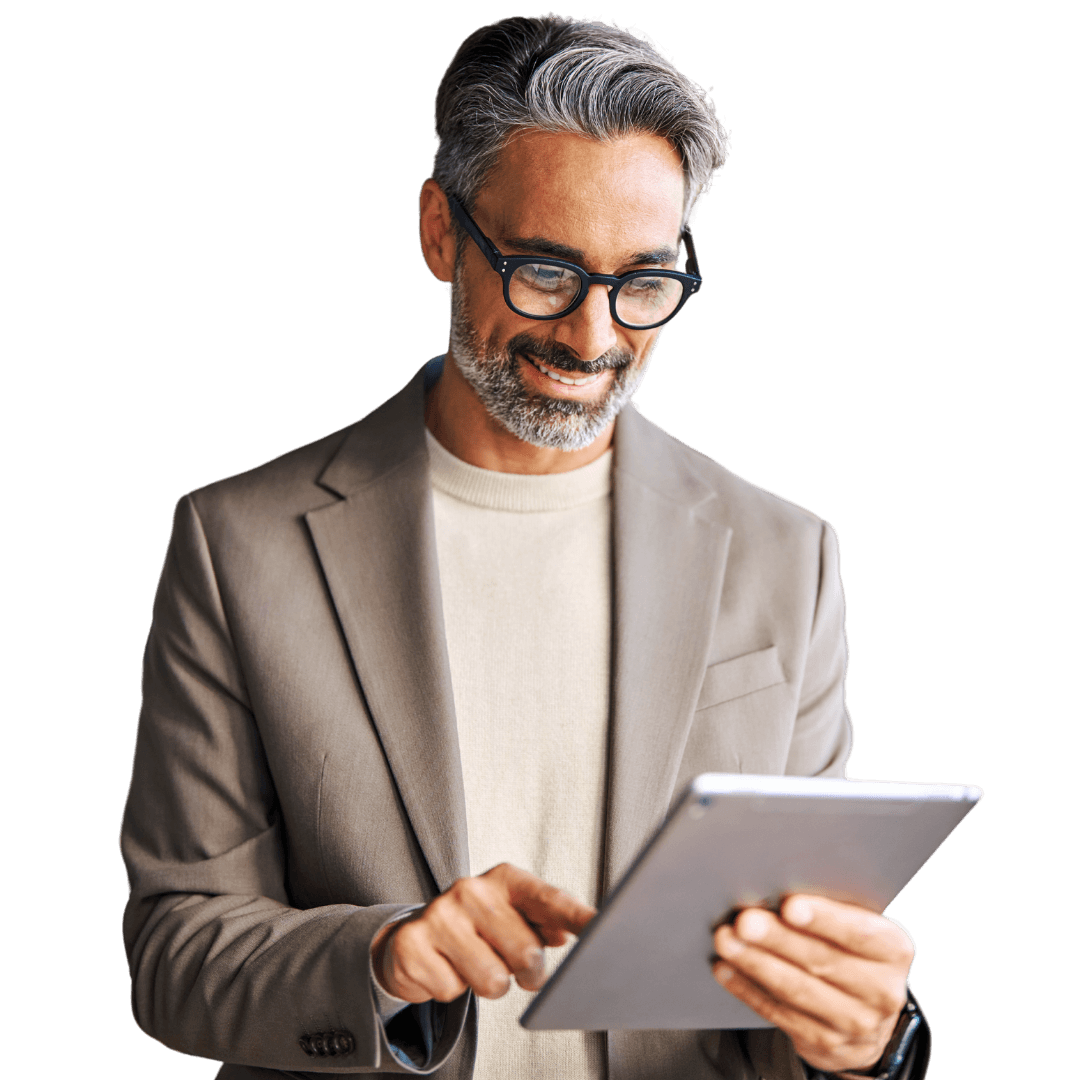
(832, 975)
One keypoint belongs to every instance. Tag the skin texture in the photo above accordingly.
(480, 933)
(831, 975)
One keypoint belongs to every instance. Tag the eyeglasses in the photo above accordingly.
(552, 288)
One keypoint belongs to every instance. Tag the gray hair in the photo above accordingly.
(561, 75)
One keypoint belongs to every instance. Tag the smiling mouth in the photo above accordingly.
(560, 377)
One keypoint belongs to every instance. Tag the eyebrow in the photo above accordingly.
(539, 245)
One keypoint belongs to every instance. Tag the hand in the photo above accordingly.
(477, 934)
(832, 975)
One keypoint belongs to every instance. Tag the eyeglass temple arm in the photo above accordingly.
(489, 250)
(691, 254)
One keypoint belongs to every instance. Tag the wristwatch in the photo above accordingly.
(901, 1049)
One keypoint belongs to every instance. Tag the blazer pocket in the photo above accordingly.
(740, 676)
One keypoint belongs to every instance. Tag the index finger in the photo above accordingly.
(856, 929)
(550, 911)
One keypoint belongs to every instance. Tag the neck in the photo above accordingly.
(457, 418)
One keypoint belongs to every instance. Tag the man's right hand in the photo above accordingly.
(477, 934)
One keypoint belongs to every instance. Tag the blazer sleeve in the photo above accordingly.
(821, 745)
(821, 739)
(222, 965)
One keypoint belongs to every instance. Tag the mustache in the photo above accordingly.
(558, 357)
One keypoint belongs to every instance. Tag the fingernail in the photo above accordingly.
(752, 925)
(723, 972)
(534, 959)
(798, 912)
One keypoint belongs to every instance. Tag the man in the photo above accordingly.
(490, 630)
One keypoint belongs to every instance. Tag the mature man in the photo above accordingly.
(490, 630)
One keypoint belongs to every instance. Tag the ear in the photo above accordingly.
(437, 239)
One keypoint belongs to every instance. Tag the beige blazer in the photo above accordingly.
(297, 778)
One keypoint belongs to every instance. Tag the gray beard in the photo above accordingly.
(494, 375)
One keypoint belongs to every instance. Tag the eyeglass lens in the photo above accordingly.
(547, 289)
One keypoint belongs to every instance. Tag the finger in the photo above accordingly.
(815, 1042)
(856, 929)
(479, 965)
(449, 930)
(883, 986)
(797, 989)
(414, 970)
(549, 909)
(485, 900)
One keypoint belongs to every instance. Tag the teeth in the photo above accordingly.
(564, 378)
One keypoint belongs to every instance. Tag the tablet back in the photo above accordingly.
(732, 841)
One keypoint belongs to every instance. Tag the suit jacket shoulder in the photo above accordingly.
(763, 523)
(254, 522)
(664, 463)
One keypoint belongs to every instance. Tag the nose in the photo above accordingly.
(589, 331)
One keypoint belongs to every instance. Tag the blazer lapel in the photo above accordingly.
(377, 550)
(670, 551)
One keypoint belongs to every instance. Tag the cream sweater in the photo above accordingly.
(525, 568)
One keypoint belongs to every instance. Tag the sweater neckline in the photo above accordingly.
(517, 492)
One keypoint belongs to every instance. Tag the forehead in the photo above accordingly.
(604, 198)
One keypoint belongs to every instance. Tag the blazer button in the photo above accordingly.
(327, 1043)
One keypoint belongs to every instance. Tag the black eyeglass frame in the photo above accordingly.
(505, 265)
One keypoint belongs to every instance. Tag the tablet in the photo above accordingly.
(645, 960)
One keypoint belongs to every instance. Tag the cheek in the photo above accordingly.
(494, 323)
(642, 343)
(479, 285)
